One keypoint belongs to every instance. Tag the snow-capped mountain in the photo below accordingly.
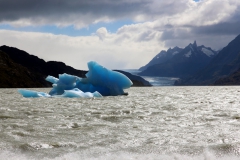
(194, 50)
(225, 65)
(188, 61)
(162, 57)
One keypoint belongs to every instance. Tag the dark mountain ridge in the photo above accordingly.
(39, 65)
(224, 64)
(15, 75)
(162, 57)
(188, 61)
(233, 79)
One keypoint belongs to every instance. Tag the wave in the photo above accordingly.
(91, 155)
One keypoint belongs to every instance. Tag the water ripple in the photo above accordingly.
(154, 120)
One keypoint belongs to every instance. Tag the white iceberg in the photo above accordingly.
(78, 93)
(99, 82)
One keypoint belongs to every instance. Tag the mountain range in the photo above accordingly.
(223, 65)
(179, 62)
(196, 65)
(162, 57)
(19, 69)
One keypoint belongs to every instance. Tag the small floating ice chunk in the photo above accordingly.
(65, 82)
(52, 79)
(75, 93)
(33, 94)
(96, 94)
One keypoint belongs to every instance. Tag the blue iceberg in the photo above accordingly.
(99, 82)
(29, 93)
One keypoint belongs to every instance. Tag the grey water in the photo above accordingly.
(169, 123)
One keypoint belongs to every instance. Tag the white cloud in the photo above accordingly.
(77, 51)
(161, 24)
(206, 12)
(211, 22)
(102, 33)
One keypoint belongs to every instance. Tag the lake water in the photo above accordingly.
(171, 123)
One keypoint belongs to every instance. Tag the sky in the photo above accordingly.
(118, 34)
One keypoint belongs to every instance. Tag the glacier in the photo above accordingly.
(99, 82)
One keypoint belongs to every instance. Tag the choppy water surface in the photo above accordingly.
(149, 123)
